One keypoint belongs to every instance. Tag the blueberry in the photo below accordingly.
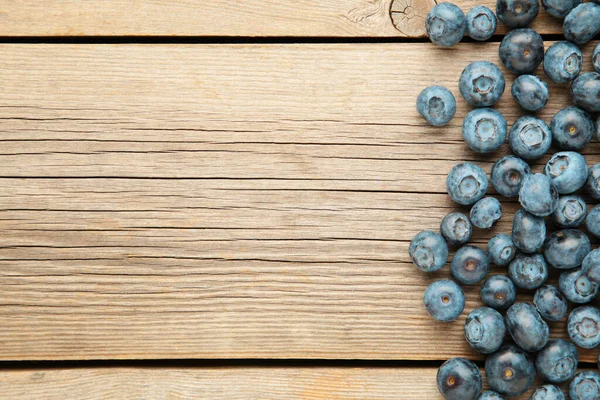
(562, 62)
(527, 328)
(593, 183)
(592, 222)
(550, 303)
(467, 183)
(528, 232)
(530, 92)
(538, 196)
(459, 379)
(571, 211)
(470, 265)
(567, 248)
(484, 130)
(522, 50)
(490, 395)
(498, 292)
(584, 327)
(576, 286)
(501, 250)
(485, 330)
(530, 138)
(510, 371)
(446, 24)
(591, 266)
(456, 228)
(557, 362)
(508, 174)
(528, 271)
(437, 105)
(481, 23)
(517, 13)
(596, 58)
(428, 251)
(481, 84)
(572, 128)
(486, 213)
(560, 8)
(585, 386)
(585, 89)
(547, 392)
(444, 300)
(568, 171)
(582, 23)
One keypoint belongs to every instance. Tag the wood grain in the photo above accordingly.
(316, 18)
(243, 383)
(236, 201)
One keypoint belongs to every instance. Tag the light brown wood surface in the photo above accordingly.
(228, 383)
(227, 201)
(316, 18)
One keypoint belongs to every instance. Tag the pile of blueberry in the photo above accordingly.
(545, 232)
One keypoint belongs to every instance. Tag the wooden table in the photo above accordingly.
(214, 199)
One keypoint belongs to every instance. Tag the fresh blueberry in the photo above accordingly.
(596, 58)
(459, 379)
(560, 8)
(522, 50)
(585, 89)
(530, 92)
(585, 386)
(562, 62)
(467, 183)
(484, 130)
(593, 183)
(571, 211)
(538, 196)
(485, 330)
(501, 250)
(550, 303)
(481, 84)
(446, 24)
(528, 271)
(566, 249)
(584, 327)
(428, 251)
(470, 265)
(572, 128)
(517, 13)
(568, 171)
(528, 231)
(527, 328)
(486, 213)
(508, 174)
(444, 300)
(481, 23)
(490, 395)
(582, 23)
(437, 105)
(576, 286)
(557, 362)
(530, 138)
(547, 392)
(498, 292)
(456, 228)
(510, 371)
(592, 222)
(591, 266)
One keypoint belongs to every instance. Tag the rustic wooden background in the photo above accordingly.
(232, 187)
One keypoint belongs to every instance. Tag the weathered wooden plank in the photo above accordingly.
(230, 383)
(341, 18)
(225, 201)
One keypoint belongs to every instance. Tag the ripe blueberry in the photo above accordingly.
(459, 379)
(510, 371)
(528, 271)
(585, 386)
(584, 327)
(568, 171)
(550, 303)
(517, 13)
(486, 213)
(528, 231)
(481, 84)
(570, 212)
(446, 24)
(530, 92)
(585, 89)
(538, 195)
(484, 130)
(527, 328)
(481, 23)
(530, 138)
(485, 330)
(562, 62)
(501, 250)
(498, 292)
(566, 249)
(572, 128)
(592, 222)
(557, 362)
(591, 266)
(470, 265)
(508, 174)
(467, 183)
(582, 23)
(577, 287)
(444, 300)
(593, 183)
(560, 8)
(437, 105)
(456, 228)
(428, 251)
(522, 50)
(547, 392)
